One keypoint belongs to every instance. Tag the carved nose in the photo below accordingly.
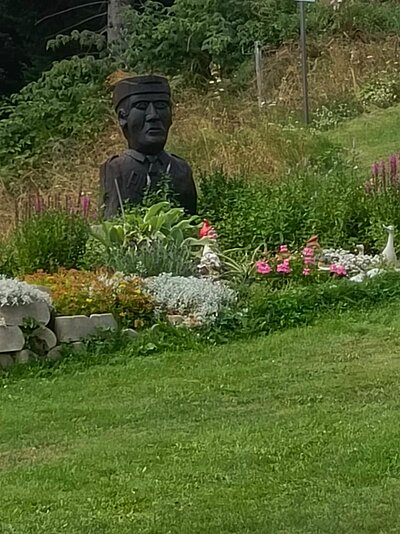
(151, 112)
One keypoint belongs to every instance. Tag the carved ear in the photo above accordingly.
(122, 118)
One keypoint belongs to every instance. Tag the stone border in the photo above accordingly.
(47, 340)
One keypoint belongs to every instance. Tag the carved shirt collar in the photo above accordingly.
(138, 156)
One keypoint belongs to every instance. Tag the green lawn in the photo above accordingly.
(294, 433)
(375, 135)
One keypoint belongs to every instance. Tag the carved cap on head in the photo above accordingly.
(140, 85)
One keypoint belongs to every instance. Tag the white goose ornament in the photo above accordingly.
(389, 253)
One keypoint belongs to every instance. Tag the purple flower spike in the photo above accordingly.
(375, 170)
(85, 205)
(393, 165)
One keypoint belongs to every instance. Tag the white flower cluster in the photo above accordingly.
(201, 298)
(114, 280)
(13, 292)
(353, 263)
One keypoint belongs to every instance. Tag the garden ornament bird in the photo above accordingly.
(389, 253)
(360, 250)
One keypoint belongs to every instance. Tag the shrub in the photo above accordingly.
(335, 206)
(48, 241)
(82, 292)
(68, 100)
(382, 93)
(189, 36)
(14, 292)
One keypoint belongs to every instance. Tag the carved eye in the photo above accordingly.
(161, 104)
(141, 105)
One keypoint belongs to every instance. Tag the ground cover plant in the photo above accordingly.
(236, 438)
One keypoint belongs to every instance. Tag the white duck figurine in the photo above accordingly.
(389, 253)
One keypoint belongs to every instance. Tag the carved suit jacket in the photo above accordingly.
(130, 171)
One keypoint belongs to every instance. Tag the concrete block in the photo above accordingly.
(77, 346)
(73, 328)
(45, 338)
(24, 356)
(15, 315)
(54, 354)
(130, 332)
(105, 321)
(11, 339)
(6, 361)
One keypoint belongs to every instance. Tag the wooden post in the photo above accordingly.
(258, 58)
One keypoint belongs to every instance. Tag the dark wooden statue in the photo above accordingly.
(143, 106)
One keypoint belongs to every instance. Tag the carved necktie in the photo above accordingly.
(154, 170)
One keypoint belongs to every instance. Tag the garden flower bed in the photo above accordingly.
(155, 265)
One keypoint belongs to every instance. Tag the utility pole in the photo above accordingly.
(115, 20)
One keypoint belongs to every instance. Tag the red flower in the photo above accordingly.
(207, 230)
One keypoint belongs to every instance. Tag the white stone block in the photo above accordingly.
(15, 315)
(24, 356)
(73, 328)
(105, 321)
(6, 361)
(130, 332)
(11, 339)
(45, 337)
(54, 354)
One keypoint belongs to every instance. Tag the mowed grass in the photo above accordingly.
(375, 135)
(294, 433)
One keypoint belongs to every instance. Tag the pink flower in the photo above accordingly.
(339, 270)
(263, 267)
(308, 252)
(309, 261)
(306, 272)
(284, 267)
(283, 249)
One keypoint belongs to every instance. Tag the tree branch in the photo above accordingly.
(70, 9)
(79, 23)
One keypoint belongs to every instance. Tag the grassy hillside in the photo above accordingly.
(374, 135)
(294, 433)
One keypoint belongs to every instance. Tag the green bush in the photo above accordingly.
(47, 241)
(190, 35)
(67, 101)
(335, 206)
(382, 93)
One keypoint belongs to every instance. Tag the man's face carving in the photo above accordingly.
(145, 121)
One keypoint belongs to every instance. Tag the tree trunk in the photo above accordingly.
(115, 20)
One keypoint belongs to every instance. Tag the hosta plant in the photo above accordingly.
(151, 241)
